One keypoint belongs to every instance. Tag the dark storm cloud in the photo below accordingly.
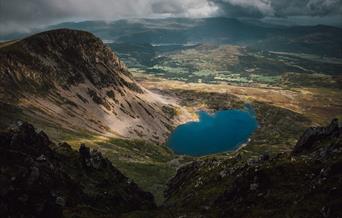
(244, 8)
(279, 8)
(22, 15)
(307, 7)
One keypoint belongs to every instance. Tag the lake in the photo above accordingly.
(219, 132)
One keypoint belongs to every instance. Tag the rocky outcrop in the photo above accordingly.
(314, 135)
(42, 179)
(183, 174)
(92, 159)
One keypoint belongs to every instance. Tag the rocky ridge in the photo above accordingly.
(313, 137)
(42, 179)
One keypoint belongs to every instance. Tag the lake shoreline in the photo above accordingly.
(218, 132)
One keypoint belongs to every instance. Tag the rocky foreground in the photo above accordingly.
(41, 179)
(304, 183)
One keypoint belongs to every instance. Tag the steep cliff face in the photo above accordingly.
(305, 183)
(72, 80)
(41, 179)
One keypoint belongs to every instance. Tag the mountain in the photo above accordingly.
(42, 179)
(70, 81)
(71, 85)
(320, 39)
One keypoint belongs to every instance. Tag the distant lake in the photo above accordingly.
(222, 131)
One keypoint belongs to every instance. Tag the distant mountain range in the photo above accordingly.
(320, 39)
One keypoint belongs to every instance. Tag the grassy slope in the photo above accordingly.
(145, 163)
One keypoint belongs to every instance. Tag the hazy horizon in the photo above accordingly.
(23, 16)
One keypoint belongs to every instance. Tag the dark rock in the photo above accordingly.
(183, 173)
(84, 151)
(60, 201)
(97, 159)
(65, 146)
(316, 134)
(264, 157)
(45, 139)
(253, 186)
(92, 158)
(40, 179)
(41, 158)
(34, 175)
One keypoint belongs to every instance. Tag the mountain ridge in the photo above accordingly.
(43, 179)
(215, 30)
(71, 78)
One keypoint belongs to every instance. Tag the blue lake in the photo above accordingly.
(214, 133)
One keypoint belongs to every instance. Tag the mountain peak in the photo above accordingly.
(62, 35)
(64, 57)
(72, 78)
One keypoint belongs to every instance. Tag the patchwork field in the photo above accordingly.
(231, 64)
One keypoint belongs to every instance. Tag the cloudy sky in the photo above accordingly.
(22, 15)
